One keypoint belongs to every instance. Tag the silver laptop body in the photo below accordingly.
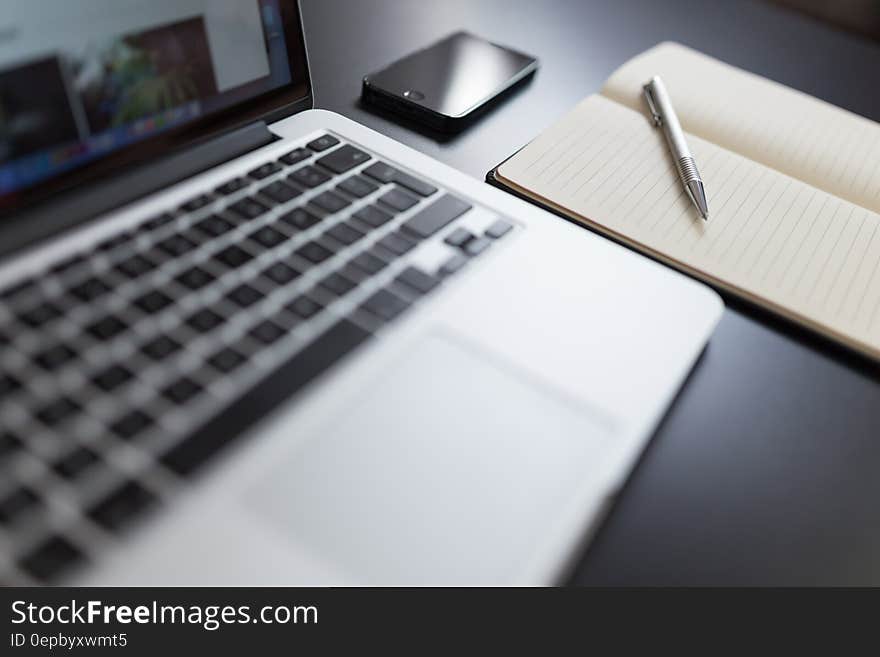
(386, 372)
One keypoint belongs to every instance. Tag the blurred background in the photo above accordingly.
(860, 16)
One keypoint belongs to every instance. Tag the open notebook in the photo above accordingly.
(793, 185)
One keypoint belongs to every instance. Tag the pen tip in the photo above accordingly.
(698, 196)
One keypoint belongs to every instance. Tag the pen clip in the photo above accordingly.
(649, 98)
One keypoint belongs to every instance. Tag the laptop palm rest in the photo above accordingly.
(453, 452)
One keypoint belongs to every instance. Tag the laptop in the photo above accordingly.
(247, 342)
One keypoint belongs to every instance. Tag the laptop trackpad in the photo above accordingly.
(445, 470)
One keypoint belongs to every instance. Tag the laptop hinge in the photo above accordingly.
(72, 208)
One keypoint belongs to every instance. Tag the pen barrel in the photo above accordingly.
(687, 169)
(662, 103)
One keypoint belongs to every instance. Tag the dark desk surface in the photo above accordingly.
(767, 468)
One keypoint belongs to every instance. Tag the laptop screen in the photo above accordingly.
(91, 82)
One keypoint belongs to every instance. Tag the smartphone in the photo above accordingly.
(449, 83)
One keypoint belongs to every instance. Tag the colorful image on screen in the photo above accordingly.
(144, 74)
(136, 69)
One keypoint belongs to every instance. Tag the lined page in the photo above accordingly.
(790, 131)
(784, 244)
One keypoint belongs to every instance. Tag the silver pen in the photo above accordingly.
(664, 117)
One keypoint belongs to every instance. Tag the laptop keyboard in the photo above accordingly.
(124, 369)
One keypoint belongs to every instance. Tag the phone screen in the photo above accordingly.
(455, 75)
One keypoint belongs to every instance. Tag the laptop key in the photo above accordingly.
(248, 208)
(131, 424)
(343, 159)
(438, 215)
(330, 201)
(280, 273)
(182, 390)
(299, 219)
(313, 252)
(214, 225)
(498, 229)
(369, 262)
(279, 192)
(112, 377)
(204, 320)
(153, 301)
(233, 186)
(323, 143)
(267, 332)
(295, 156)
(459, 237)
(135, 266)
(199, 201)
(268, 237)
(57, 411)
(233, 256)
(292, 376)
(304, 307)
(452, 265)
(157, 222)
(264, 170)
(309, 176)
(75, 462)
(122, 505)
(357, 186)
(106, 328)
(477, 245)
(386, 173)
(51, 558)
(373, 216)
(345, 233)
(417, 280)
(176, 245)
(330, 244)
(337, 284)
(15, 504)
(158, 256)
(90, 289)
(9, 444)
(385, 305)
(8, 385)
(413, 184)
(226, 360)
(354, 274)
(396, 243)
(54, 357)
(194, 235)
(194, 278)
(244, 296)
(39, 315)
(69, 263)
(398, 200)
(112, 242)
(160, 347)
(381, 171)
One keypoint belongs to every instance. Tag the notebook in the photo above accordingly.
(793, 186)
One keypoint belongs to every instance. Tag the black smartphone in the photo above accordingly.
(449, 83)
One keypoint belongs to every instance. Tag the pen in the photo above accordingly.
(664, 117)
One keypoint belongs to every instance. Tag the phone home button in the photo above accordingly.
(412, 94)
